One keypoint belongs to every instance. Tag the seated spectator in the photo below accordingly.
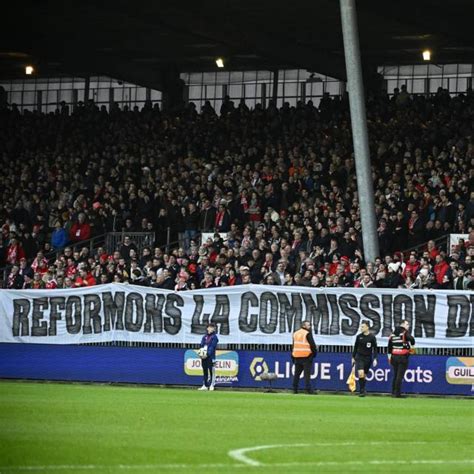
(15, 280)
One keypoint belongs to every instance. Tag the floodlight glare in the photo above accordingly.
(426, 55)
(29, 70)
(220, 62)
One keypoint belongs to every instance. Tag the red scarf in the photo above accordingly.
(219, 218)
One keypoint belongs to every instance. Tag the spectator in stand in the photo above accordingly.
(80, 230)
(295, 172)
(15, 279)
(222, 221)
(461, 282)
(191, 220)
(84, 278)
(441, 270)
(412, 266)
(59, 237)
(127, 248)
(15, 251)
(37, 283)
(207, 216)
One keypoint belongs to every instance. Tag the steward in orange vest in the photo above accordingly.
(303, 352)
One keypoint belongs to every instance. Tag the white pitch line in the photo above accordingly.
(245, 461)
(239, 454)
(375, 462)
(93, 467)
(98, 467)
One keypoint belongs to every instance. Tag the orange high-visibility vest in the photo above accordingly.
(301, 347)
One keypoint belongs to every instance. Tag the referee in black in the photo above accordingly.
(365, 350)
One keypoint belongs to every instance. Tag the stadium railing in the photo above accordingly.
(110, 241)
(446, 351)
(92, 244)
(441, 244)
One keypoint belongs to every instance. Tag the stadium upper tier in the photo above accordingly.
(279, 185)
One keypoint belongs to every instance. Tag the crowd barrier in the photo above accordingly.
(441, 375)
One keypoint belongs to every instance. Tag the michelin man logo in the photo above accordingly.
(258, 367)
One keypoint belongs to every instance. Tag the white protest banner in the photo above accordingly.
(249, 314)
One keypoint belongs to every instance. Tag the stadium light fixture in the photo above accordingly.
(29, 70)
(426, 55)
(220, 62)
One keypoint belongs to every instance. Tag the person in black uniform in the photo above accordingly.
(364, 352)
(399, 349)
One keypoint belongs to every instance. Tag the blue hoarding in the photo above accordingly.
(426, 374)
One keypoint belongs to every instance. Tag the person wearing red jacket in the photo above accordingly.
(51, 283)
(433, 251)
(440, 269)
(84, 279)
(15, 251)
(81, 230)
(413, 265)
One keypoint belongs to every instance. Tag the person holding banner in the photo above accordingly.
(303, 352)
(399, 349)
(207, 353)
(365, 348)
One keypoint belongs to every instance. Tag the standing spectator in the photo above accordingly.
(191, 224)
(412, 266)
(127, 247)
(440, 270)
(15, 251)
(207, 216)
(59, 238)
(254, 210)
(80, 230)
(415, 229)
(222, 222)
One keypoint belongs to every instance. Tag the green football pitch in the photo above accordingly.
(49, 427)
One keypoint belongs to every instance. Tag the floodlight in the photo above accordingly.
(426, 55)
(220, 62)
(29, 70)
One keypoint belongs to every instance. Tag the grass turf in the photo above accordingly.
(94, 428)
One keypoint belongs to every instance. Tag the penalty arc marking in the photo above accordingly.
(240, 454)
(243, 461)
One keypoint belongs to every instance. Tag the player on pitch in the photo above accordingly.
(365, 350)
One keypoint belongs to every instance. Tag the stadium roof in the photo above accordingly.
(140, 41)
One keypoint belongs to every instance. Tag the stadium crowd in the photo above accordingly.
(275, 189)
